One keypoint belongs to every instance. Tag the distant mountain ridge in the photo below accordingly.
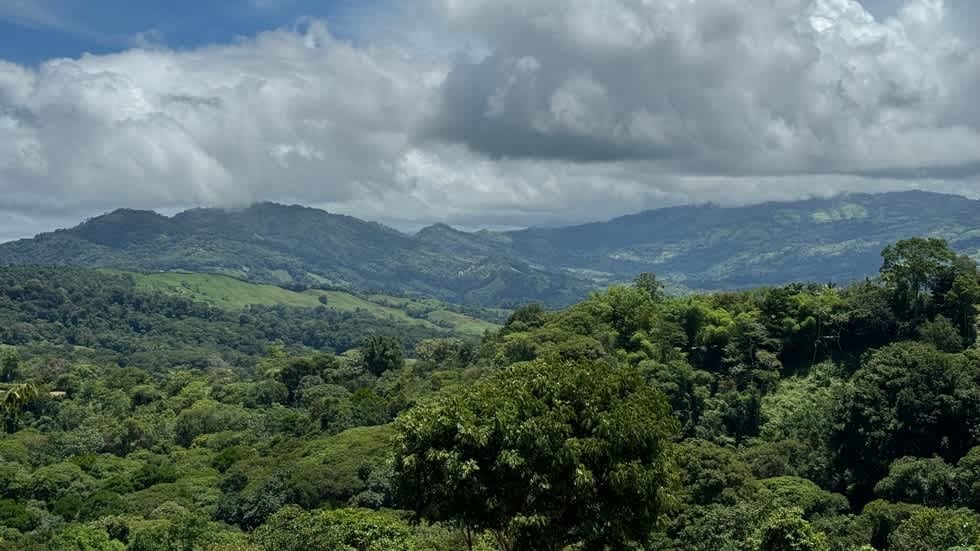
(691, 247)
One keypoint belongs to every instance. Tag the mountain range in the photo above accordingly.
(699, 247)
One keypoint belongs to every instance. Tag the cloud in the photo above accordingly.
(717, 86)
(290, 114)
(507, 112)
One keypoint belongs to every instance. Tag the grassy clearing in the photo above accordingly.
(461, 322)
(222, 291)
(229, 293)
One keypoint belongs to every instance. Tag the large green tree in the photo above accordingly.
(382, 353)
(926, 278)
(543, 455)
(908, 399)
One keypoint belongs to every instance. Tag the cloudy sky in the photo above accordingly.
(479, 112)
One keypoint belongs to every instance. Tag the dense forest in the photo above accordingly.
(108, 317)
(806, 416)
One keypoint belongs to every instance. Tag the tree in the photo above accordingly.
(942, 334)
(85, 538)
(960, 302)
(929, 529)
(803, 494)
(296, 369)
(208, 416)
(908, 399)
(292, 529)
(648, 282)
(914, 268)
(712, 474)
(9, 364)
(544, 455)
(382, 353)
(786, 530)
(14, 401)
(929, 482)
(527, 316)
(927, 278)
(968, 475)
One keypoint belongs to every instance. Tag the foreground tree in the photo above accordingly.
(543, 455)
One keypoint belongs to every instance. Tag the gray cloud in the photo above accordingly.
(717, 86)
(508, 112)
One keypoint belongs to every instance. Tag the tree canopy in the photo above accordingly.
(543, 455)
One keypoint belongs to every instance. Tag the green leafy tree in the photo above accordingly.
(941, 333)
(931, 529)
(292, 529)
(17, 515)
(962, 299)
(968, 478)
(382, 353)
(544, 455)
(253, 506)
(526, 317)
(882, 518)
(718, 526)
(294, 371)
(208, 416)
(648, 282)
(9, 364)
(712, 474)
(786, 530)
(907, 400)
(804, 495)
(85, 538)
(915, 269)
(16, 399)
(931, 482)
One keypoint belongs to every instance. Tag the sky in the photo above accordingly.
(479, 113)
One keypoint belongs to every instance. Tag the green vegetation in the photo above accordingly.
(691, 248)
(222, 291)
(543, 455)
(228, 293)
(797, 417)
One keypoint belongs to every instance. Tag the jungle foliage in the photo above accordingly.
(799, 417)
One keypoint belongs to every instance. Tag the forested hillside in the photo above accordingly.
(797, 417)
(299, 246)
(691, 248)
(189, 320)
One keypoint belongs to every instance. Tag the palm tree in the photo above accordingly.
(15, 400)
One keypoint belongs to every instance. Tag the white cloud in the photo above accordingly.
(294, 114)
(509, 112)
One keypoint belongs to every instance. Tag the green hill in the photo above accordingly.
(703, 247)
(229, 293)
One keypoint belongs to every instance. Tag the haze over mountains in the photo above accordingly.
(702, 247)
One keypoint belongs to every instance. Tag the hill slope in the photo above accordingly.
(710, 247)
(233, 294)
(278, 244)
(692, 247)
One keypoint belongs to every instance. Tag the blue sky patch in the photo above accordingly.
(32, 31)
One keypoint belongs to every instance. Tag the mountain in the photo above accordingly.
(710, 247)
(279, 244)
(701, 247)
